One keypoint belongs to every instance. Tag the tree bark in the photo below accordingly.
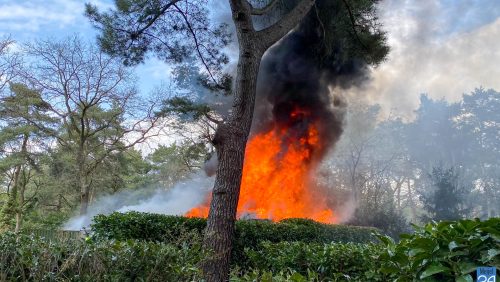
(84, 192)
(231, 136)
(20, 205)
(84, 188)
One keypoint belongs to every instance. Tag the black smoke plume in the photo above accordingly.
(294, 75)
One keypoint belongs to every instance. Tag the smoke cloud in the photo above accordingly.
(440, 48)
(293, 79)
(175, 201)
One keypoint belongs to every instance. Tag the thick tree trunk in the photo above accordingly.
(84, 194)
(19, 211)
(230, 142)
(231, 136)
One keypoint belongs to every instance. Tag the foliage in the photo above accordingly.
(32, 258)
(173, 30)
(328, 262)
(268, 276)
(446, 200)
(144, 226)
(387, 219)
(248, 234)
(175, 162)
(444, 251)
(351, 31)
(184, 107)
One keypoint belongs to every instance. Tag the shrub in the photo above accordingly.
(268, 276)
(144, 226)
(30, 258)
(444, 251)
(156, 227)
(248, 234)
(323, 262)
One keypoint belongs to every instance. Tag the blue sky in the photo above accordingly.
(26, 20)
(441, 47)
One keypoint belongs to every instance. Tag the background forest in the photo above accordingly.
(387, 172)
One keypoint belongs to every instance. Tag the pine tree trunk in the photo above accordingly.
(230, 142)
(231, 136)
(19, 211)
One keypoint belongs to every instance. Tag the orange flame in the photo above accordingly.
(276, 182)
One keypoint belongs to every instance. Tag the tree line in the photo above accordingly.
(71, 120)
(442, 165)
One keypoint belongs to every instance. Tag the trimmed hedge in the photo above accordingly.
(248, 234)
(156, 227)
(313, 262)
(144, 226)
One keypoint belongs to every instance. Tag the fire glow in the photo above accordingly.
(277, 180)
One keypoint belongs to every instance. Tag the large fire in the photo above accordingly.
(277, 174)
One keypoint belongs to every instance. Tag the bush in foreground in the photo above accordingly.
(31, 258)
(444, 251)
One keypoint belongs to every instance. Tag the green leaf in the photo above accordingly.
(452, 245)
(388, 269)
(466, 267)
(489, 255)
(464, 278)
(297, 277)
(433, 269)
(415, 251)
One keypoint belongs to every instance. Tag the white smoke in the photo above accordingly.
(175, 201)
(437, 48)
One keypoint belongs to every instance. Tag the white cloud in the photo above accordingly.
(430, 54)
(37, 14)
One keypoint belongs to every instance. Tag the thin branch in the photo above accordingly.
(197, 46)
(153, 20)
(353, 24)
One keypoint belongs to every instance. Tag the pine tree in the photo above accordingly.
(446, 200)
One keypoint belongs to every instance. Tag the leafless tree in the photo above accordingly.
(9, 61)
(96, 106)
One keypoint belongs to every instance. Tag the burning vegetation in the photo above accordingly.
(297, 120)
(277, 175)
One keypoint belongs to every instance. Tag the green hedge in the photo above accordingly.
(144, 226)
(32, 258)
(156, 227)
(317, 262)
(444, 251)
(248, 234)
